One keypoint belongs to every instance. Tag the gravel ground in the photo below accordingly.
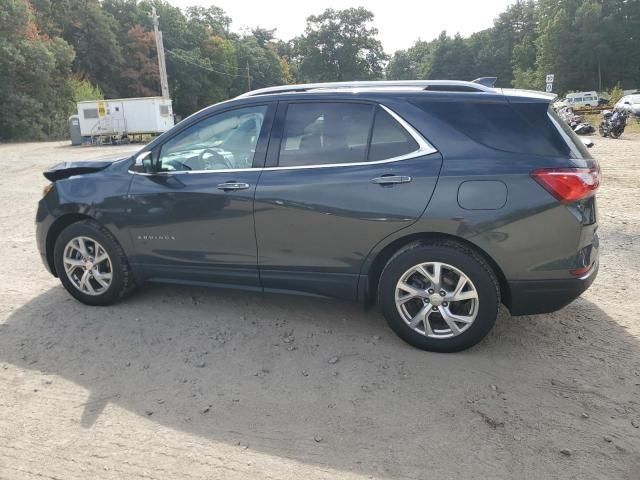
(181, 382)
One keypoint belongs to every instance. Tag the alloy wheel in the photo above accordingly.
(436, 300)
(87, 265)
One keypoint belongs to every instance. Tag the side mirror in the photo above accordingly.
(143, 163)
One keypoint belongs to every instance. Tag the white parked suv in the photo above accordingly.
(630, 104)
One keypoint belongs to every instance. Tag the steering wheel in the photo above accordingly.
(216, 159)
(176, 164)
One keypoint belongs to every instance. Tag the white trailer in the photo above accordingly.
(125, 117)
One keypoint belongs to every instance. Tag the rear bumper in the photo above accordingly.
(533, 297)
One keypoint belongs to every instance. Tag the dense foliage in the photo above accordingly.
(56, 52)
(587, 44)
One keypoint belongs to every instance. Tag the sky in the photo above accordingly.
(400, 22)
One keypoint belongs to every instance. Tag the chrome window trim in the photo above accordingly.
(424, 148)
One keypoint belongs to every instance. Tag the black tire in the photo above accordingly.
(121, 281)
(464, 259)
(602, 131)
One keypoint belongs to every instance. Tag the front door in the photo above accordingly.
(192, 220)
(340, 177)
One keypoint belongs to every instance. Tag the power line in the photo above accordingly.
(197, 64)
(193, 62)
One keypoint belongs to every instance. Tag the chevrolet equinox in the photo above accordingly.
(435, 200)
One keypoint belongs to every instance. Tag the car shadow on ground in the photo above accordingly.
(318, 381)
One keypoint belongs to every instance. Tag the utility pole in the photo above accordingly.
(164, 83)
(248, 76)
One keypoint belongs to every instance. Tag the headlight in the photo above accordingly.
(47, 189)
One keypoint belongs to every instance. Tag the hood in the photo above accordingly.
(68, 169)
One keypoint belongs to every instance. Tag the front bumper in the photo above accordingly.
(533, 297)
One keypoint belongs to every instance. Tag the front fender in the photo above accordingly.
(101, 196)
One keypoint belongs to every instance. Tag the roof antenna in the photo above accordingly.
(486, 81)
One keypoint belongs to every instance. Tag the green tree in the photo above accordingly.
(616, 94)
(82, 89)
(140, 71)
(34, 68)
(402, 66)
(259, 66)
(93, 34)
(53, 52)
(416, 64)
(340, 45)
(212, 19)
(452, 59)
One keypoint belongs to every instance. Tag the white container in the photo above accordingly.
(125, 116)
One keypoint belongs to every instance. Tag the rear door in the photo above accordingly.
(340, 177)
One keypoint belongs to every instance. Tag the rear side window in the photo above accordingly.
(325, 133)
(521, 128)
(389, 139)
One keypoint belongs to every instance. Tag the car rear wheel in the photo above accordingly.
(91, 264)
(440, 297)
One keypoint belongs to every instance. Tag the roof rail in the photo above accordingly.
(486, 81)
(438, 85)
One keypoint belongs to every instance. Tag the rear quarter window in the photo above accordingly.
(520, 128)
(388, 139)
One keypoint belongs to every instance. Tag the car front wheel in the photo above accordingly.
(91, 264)
(441, 297)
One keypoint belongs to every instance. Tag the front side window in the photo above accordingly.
(325, 133)
(224, 141)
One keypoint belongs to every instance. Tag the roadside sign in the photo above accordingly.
(549, 88)
(550, 78)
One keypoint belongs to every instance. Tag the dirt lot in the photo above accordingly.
(183, 382)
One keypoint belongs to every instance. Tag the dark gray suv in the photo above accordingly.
(436, 200)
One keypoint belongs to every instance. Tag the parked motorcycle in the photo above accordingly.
(574, 121)
(613, 123)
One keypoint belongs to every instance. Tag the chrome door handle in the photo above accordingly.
(233, 186)
(391, 179)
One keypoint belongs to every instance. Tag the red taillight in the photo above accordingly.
(578, 272)
(568, 184)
